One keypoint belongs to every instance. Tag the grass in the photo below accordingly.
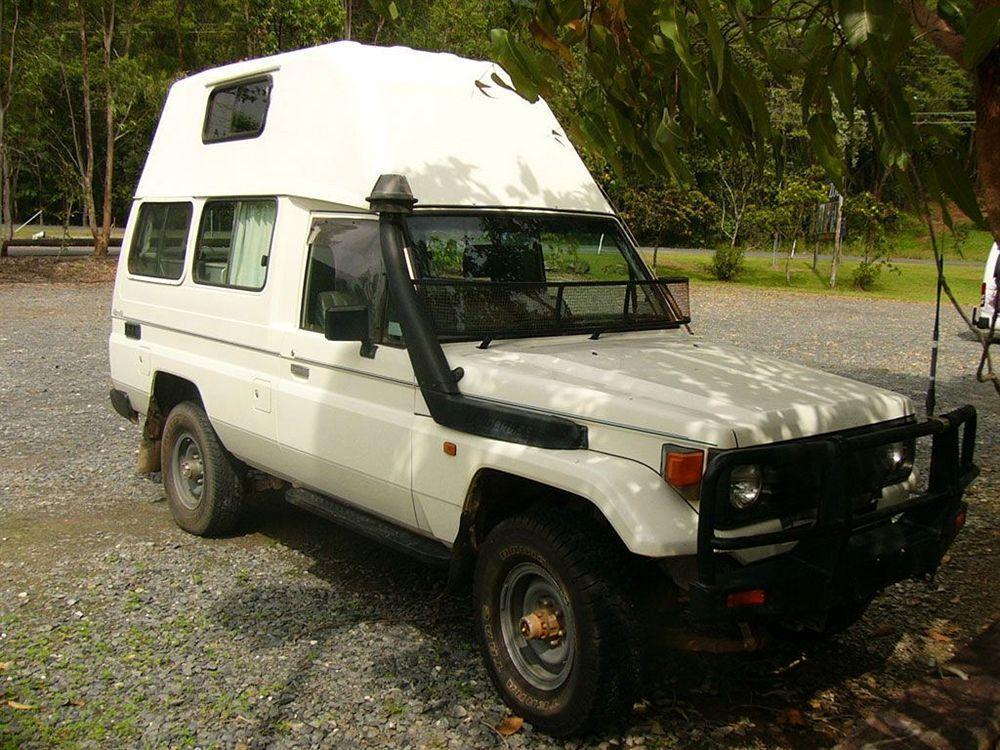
(912, 241)
(912, 282)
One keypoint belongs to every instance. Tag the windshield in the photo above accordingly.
(490, 275)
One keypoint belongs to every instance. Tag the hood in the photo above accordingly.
(672, 384)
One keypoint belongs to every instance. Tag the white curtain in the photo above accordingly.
(252, 229)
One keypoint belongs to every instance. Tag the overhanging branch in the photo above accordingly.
(936, 30)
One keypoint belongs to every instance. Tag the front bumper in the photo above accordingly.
(981, 321)
(839, 556)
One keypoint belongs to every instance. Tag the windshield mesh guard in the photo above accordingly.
(467, 309)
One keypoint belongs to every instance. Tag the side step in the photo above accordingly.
(426, 550)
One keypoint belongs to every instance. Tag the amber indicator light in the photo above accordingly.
(450, 448)
(683, 469)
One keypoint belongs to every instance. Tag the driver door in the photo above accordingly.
(345, 419)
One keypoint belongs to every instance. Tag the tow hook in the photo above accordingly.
(543, 624)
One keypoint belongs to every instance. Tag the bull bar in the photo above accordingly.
(839, 556)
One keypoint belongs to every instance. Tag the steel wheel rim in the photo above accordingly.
(188, 471)
(545, 664)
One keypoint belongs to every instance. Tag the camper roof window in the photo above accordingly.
(237, 110)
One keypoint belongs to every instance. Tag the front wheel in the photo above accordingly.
(555, 621)
(205, 483)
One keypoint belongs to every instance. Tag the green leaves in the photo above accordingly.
(714, 37)
(658, 85)
(954, 181)
(983, 35)
(823, 137)
(841, 80)
(527, 71)
(860, 20)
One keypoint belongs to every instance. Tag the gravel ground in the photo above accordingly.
(117, 629)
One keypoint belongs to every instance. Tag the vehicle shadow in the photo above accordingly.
(728, 698)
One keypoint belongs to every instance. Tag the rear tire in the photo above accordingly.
(205, 483)
(558, 563)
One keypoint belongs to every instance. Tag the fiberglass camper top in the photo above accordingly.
(335, 117)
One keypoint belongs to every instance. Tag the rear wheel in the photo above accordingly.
(555, 621)
(205, 484)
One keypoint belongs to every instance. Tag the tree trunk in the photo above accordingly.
(836, 242)
(101, 243)
(5, 186)
(788, 262)
(988, 136)
(8, 197)
(87, 174)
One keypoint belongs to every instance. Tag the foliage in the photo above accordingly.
(866, 275)
(870, 221)
(666, 216)
(168, 38)
(566, 258)
(727, 262)
(660, 77)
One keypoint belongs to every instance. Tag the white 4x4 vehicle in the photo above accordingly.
(985, 316)
(471, 361)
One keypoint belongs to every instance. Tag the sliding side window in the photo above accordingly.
(237, 111)
(160, 240)
(234, 243)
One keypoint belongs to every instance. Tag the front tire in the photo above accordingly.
(556, 623)
(205, 483)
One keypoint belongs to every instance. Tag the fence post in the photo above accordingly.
(836, 242)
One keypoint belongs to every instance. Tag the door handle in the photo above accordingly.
(299, 371)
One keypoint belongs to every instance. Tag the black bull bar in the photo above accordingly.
(840, 555)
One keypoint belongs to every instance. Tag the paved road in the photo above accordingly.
(119, 630)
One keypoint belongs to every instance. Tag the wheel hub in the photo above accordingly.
(189, 470)
(192, 469)
(537, 626)
(543, 624)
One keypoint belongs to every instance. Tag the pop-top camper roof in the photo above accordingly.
(342, 114)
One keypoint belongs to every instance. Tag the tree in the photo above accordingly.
(8, 41)
(658, 75)
(737, 179)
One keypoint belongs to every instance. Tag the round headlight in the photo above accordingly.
(895, 455)
(745, 483)
(897, 462)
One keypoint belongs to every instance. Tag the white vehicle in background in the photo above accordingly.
(352, 272)
(989, 304)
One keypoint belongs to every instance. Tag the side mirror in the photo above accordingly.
(350, 323)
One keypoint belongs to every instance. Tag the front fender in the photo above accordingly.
(649, 517)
